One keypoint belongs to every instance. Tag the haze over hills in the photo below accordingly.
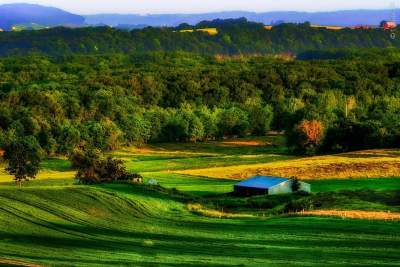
(337, 18)
(14, 14)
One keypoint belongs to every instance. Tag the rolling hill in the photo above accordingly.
(133, 226)
(338, 18)
(14, 14)
(53, 221)
(11, 14)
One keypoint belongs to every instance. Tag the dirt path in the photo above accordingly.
(356, 214)
(8, 262)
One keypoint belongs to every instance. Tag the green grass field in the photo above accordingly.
(52, 221)
(127, 225)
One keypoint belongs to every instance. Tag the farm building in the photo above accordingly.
(267, 185)
(388, 25)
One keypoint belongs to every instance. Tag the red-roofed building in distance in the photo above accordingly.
(388, 25)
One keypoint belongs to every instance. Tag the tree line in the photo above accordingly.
(235, 36)
(107, 101)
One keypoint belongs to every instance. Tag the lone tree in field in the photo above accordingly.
(23, 157)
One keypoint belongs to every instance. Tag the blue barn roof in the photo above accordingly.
(262, 182)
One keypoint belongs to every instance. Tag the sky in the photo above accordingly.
(200, 6)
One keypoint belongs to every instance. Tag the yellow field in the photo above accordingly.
(370, 163)
(362, 164)
(43, 175)
(334, 28)
(355, 214)
(210, 31)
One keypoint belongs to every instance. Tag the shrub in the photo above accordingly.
(112, 170)
(86, 163)
(93, 168)
(297, 205)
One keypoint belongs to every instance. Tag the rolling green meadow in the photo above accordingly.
(52, 221)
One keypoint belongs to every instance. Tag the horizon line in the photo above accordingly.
(208, 12)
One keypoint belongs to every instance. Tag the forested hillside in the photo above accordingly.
(17, 14)
(234, 37)
(113, 100)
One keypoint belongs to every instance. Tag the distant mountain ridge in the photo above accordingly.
(20, 14)
(15, 14)
(336, 18)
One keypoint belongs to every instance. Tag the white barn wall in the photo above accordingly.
(286, 188)
(282, 188)
(305, 187)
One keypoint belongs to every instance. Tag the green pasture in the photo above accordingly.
(55, 222)
(129, 225)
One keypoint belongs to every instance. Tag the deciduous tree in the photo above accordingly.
(23, 157)
(307, 136)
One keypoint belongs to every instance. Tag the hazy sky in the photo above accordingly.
(196, 6)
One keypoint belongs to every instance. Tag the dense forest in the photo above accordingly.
(234, 37)
(107, 101)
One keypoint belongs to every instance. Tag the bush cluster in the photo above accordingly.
(93, 168)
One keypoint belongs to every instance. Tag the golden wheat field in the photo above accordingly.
(355, 214)
(369, 163)
(210, 31)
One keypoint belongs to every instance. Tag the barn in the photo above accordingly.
(267, 185)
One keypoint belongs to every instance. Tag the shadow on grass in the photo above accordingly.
(306, 245)
(56, 164)
(160, 237)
